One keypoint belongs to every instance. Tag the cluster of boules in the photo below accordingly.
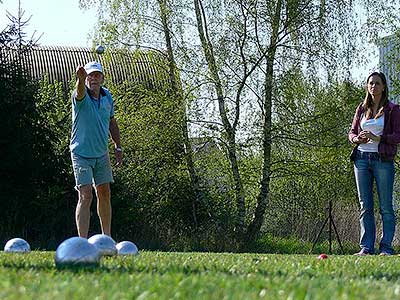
(78, 251)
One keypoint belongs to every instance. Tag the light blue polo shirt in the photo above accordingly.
(91, 124)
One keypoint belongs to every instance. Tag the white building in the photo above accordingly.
(389, 64)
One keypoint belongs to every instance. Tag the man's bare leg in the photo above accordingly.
(82, 212)
(104, 210)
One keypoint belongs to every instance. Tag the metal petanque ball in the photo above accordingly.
(127, 248)
(17, 245)
(99, 49)
(77, 251)
(104, 243)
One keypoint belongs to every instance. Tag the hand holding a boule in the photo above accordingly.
(81, 73)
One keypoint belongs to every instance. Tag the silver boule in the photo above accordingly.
(77, 251)
(104, 243)
(17, 245)
(127, 248)
(99, 49)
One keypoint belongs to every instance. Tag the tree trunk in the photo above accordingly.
(262, 200)
(177, 90)
(228, 128)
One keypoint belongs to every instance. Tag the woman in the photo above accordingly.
(376, 132)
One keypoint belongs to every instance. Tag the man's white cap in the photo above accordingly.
(93, 66)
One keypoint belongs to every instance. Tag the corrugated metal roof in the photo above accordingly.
(147, 68)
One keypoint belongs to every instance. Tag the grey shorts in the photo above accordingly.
(91, 170)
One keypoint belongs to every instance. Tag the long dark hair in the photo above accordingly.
(369, 103)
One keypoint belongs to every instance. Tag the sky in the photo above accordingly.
(61, 22)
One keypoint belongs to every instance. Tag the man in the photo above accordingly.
(92, 121)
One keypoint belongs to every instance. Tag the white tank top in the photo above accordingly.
(376, 127)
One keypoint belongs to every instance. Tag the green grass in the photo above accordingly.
(158, 275)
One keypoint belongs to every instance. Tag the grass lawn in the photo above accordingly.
(158, 275)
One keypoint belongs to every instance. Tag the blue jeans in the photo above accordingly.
(367, 167)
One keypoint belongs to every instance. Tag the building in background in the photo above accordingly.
(148, 69)
(389, 64)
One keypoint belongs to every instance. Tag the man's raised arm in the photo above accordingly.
(80, 82)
